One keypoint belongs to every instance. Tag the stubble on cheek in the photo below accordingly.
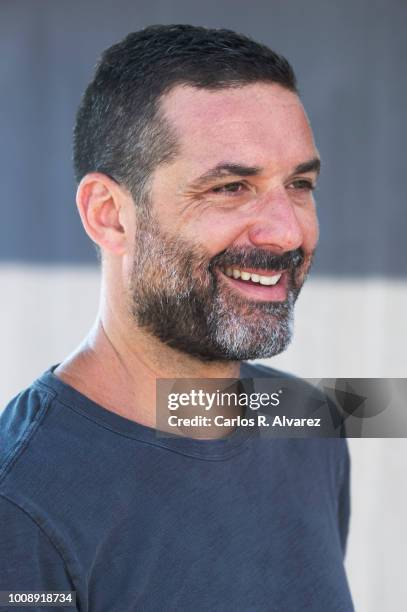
(176, 294)
(167, 267)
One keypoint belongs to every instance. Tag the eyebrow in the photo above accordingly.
(230, 169)
(225, 169)
(313, 165)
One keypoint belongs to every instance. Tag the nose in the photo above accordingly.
(275, 223)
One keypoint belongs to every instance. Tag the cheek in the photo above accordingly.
(216, 230)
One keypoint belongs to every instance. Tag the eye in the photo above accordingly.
(236, 187)
(302, 185)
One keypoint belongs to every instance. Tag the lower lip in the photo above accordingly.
(256, 291)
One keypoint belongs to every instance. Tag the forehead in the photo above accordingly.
(256, 124)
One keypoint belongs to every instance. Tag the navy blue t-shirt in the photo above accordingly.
(95, 503)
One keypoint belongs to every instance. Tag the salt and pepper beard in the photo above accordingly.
(175, 295)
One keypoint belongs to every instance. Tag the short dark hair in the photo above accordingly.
(120, 130)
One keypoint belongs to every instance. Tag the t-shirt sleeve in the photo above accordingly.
(344, 501)
(29, 561)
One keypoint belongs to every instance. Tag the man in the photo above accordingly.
(196, 166)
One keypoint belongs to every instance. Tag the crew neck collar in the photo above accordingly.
(217, 449)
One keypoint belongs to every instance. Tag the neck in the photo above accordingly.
(118, 369)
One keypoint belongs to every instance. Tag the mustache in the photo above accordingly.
(258, 258)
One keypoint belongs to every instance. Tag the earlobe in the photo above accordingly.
(101, 202)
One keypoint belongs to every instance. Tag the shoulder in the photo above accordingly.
(35, 537)
(19, 422)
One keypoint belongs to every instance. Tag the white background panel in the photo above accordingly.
(344, 328)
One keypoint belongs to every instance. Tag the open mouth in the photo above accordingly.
(263, 285)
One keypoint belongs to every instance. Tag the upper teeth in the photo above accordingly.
(255, 278)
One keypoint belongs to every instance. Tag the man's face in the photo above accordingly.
(221, 256)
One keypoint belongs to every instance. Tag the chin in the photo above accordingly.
(242, 344)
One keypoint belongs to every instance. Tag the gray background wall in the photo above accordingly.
(350, 59)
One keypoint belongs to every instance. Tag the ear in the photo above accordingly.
(103, 207)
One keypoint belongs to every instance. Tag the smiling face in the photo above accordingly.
(222, 254)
